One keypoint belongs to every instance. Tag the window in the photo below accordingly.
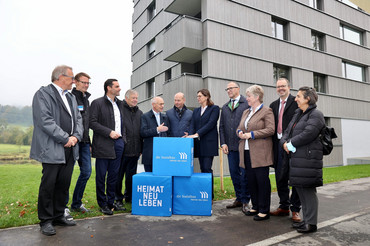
(352, 71)
(318, 41)
(279, 29)
(168, 75)
(316, 4)
(319, 82)
(150, 85)
(280, 72)
(350, 34)
(151, 11)
(151, 48)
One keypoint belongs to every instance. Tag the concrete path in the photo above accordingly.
(344, 219)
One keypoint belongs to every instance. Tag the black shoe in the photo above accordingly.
(251, 213)
(307, 228)
(118, 206)
(62, 221)
(48, 229)
(106, 210)
(260, 218)
(297, 225)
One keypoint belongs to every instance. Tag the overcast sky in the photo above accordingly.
(37, 35)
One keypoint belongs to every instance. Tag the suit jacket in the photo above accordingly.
(289, 110)
(148, 130)
(260, 147)
(48, 137)
(179, 125)
(206, 127)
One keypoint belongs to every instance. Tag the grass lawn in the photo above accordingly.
(19, 190)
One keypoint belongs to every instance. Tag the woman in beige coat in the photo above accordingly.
(255, 130)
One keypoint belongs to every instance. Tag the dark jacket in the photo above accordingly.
(148, 130)
(48, 137)
(289, 110)
(179, 125)
(102, 123)
(83, 106)
(206, 127)
(305, 169)
(229, 122)
(131, 121)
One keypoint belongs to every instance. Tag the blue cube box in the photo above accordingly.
(151, 195)
(193, 195)
(173, 156)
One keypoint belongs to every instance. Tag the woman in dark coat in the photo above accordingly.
(301, 142)
(203, 128)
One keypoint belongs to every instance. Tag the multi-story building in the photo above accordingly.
(186, 45)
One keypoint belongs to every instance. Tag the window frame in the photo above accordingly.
(316, 83)
(345, 74)
(275, 73)
(275, 31)
(319, 43)
(344, 27)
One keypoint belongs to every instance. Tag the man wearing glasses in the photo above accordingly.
(82, 97)
(57, 130)
(283, 109)
(231, 115)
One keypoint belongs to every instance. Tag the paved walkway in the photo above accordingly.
(344, 219)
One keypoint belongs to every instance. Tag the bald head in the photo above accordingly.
(157, 104)
(179, 100)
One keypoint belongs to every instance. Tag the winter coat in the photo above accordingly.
(131, 121)
(83, 106)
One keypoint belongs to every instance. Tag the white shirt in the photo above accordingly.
(157, 117)
(280, 135)
(203, 109)
(117, 116)
(62, 94)
(236, 100)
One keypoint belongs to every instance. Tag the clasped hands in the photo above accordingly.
(243, 135)
(72, 141)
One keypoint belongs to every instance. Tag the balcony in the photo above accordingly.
(184, 7)
(183, 41)
(188, 84)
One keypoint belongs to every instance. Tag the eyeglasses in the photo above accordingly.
(73, 78)
(230, 88)
(85, 83)
(281, 86)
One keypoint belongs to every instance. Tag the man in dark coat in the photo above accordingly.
(154, 123)
(107, 145)
(283, 109)
(133, 148)
(82, 97)
(231, 114)
(179, 116)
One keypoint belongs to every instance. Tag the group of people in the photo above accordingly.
(254, 138)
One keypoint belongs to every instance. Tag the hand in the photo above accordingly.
(225, 149)
(186, 135)
(114, 135)
(71, 142)
(285, 148)
(246, 135)
(193, 136)
(162, 128)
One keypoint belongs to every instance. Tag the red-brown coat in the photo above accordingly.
(262, 124)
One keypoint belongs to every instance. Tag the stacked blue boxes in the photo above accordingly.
(191, 193)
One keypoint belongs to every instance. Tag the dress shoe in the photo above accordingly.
(235, 204)
(297, 225)
(259, 218)
(48, 229)
(118, 206)
(106, 210)
(296, 217)
(251, 213)
(307, 228)
(280, 212)
(62, 221)
(245, 207)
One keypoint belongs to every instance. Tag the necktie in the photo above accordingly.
(280, 122)
(232, 105)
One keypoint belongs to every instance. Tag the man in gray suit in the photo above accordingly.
(57, 130)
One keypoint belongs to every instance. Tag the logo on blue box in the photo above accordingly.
(173, 156)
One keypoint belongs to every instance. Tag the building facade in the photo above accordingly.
(186, 45)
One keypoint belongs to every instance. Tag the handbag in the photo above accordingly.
(326, 135)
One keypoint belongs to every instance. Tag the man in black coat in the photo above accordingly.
(283, 109)
(154, 123)
(133, 148)
(107, 145)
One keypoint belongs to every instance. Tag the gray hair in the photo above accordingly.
(256, 90)
(310, 94)
(154, 99)
(58, 71)
(129, 92)
(236, 83)
(286, 80)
